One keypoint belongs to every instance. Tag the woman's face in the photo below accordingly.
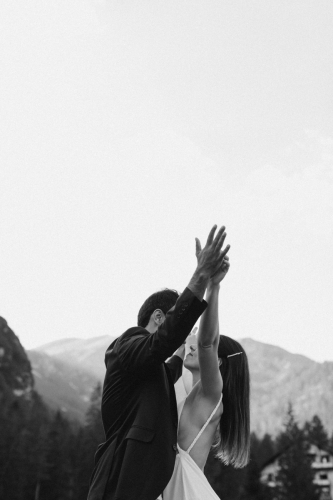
(191, 361)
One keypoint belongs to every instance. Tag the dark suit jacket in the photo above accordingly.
(139, 408)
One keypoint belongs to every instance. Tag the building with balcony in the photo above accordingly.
(322, 464)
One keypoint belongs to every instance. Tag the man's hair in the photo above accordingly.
(233, 446)
(164, 300)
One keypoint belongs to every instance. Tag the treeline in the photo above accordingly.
(43, 456)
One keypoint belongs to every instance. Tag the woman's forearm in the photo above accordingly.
(209, 324)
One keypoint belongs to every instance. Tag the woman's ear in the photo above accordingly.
(220, 361)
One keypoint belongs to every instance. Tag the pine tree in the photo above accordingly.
(295, 476)
(267, 448)
(330, 444)
(225, 480)
(57, 473)
(94, 416)
(22, 425)
(253, 488)
(261, 450)
(87, 440)
(316, 433)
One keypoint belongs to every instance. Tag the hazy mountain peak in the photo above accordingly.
(85, 353)
(62, 345)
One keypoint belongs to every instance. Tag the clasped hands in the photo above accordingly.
(213, 262)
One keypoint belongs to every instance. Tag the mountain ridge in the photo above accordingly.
(278, 377)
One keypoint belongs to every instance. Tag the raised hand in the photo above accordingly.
(220, 273)
(211, 257)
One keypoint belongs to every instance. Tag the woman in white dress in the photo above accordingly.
(216, 411)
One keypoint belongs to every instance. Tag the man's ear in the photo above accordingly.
(158, 316)
(220, 361)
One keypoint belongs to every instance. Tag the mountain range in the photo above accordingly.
(66, 371)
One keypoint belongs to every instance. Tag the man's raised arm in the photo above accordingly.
(138, 350)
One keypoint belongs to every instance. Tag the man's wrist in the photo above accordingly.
(198, 284)
(180, 352)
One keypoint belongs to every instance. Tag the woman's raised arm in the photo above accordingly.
(208, 338)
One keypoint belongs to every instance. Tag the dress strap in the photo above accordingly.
(205, 425)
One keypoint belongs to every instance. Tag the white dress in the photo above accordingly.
(188, 482)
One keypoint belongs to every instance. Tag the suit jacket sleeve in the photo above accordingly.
(175, 365)
(137, 349)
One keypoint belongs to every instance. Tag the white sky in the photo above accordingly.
(130, 127)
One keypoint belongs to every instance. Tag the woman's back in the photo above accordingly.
(188, 481)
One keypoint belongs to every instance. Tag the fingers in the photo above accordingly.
(211, 235)
(218, 244)
(197, 246)
(222, 266)
(218, 237)
(225, 251)
(221, 260)
(221, 241)
(212, 256)
(222, 257)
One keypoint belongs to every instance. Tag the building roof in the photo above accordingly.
(283, 450)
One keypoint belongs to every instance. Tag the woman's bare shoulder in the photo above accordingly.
(199, 408)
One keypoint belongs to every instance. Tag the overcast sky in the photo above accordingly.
(128, 128)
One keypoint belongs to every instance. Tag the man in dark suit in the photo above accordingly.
(139, 408)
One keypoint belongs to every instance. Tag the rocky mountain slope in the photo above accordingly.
(16, 378)
(66, 371)
(277, 378)
(63, 385)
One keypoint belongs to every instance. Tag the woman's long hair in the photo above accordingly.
(233, 445)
